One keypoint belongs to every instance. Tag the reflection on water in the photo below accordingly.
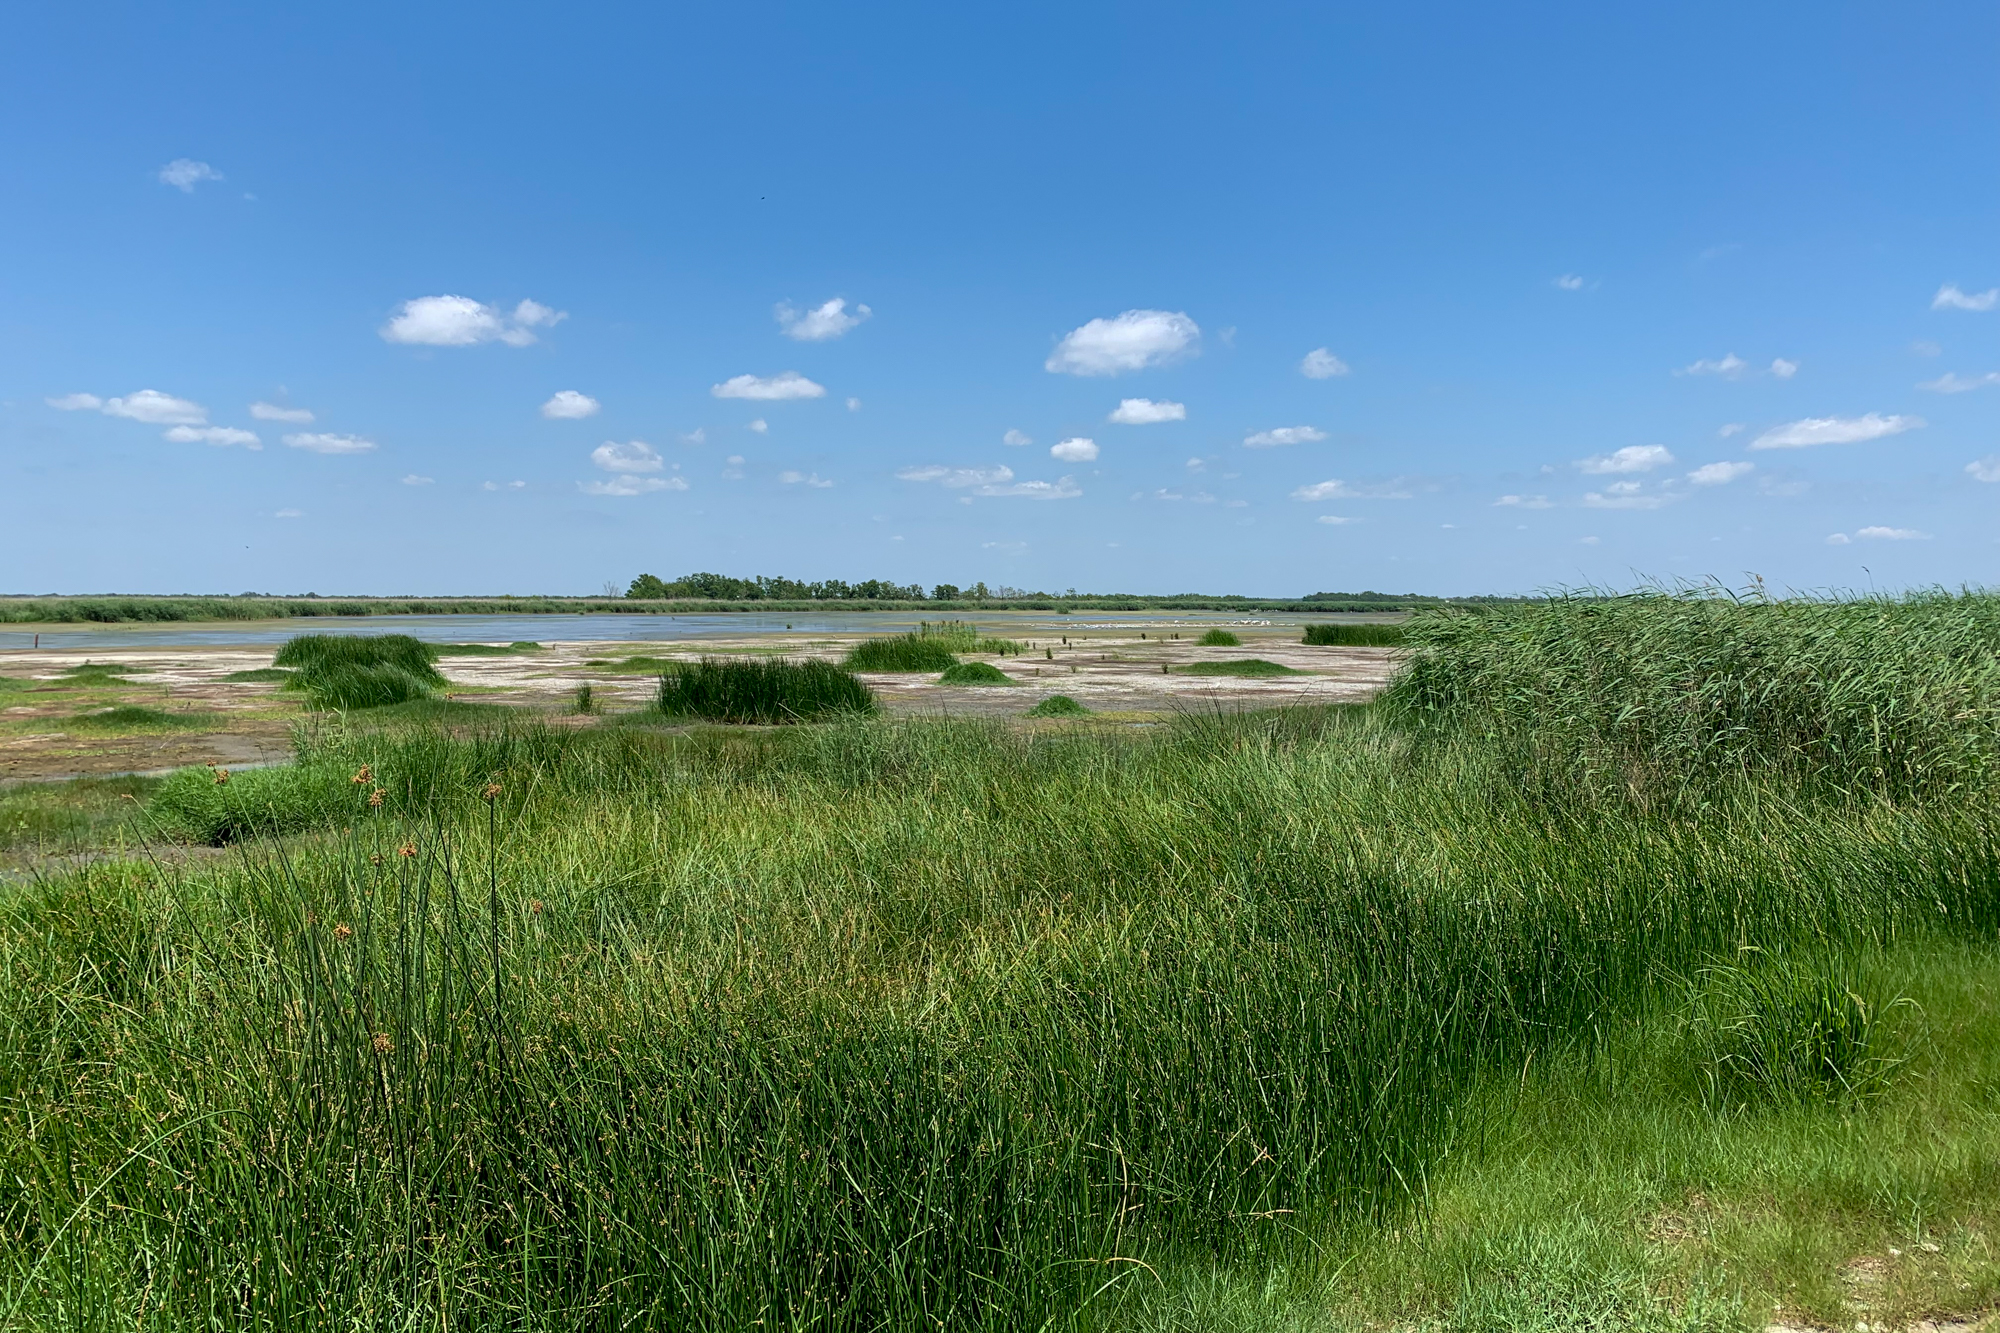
(627, 628)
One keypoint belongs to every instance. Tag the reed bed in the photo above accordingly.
(1219, 638)
(1354, 636)
(348, 671)
(761, 690)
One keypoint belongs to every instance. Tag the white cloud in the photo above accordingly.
(1587, 541)
(414, 480)
(1838, 539)
(148, 405)
(184, 173)
(1732, 428)
(1335, 518)
(1146, 412)
(1063, 489)
(1984, 469)
(297, 416)
(1570, 282)
(1131, 341)
(290, 513)
(1632, 458)
(1524, 501)
(75, 402)
(789, 384)
(511, 486)
(1810, 431)
(1017, 439)
(331, 444)
(1784, 369)
(812, 479)
(1892, 534)
(821, 322)
(569, 405)
(1336, 489)
(1730, 367)
(460, 321)
(1925, 347)
(854, 405)
(1271, 439)
(1624, 495)
(761, 426)
(695, 436)
(625, 485)
(1949, 297)
(1952, 383)
(1320, 364)
(633, 456)
(1720, 474)
(220, 435)
(1074, 451)
(992, 481)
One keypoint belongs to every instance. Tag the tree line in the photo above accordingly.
(723, 588)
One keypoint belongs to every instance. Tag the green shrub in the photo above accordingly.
(975, 673)
(1248, 666)
(769, 690)
(902, 652)
(1219, 638)
(1058, 705)
(1353, 636)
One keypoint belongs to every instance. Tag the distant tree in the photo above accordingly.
(945, 592)
(647, 587)
(979, 593)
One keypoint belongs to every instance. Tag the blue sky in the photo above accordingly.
(1443, 298)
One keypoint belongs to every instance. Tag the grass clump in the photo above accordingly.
(975, 673)
(98, 673)
(137, 718)
(1058, 705)
(352, 671)
(1255, 668)
(482, 649)
(763, 691)
(260, 676)
(1353, 636)
(638, 665)
(902, 652)
(65, 816)
(1219, 638)
(1786, 1029)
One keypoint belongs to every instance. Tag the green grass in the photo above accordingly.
(1058, 705)
(56, 817)
(356, 671)
(98, 673)
(484, 649)
(261, 676)
(902, 652)
(975, 673)
(1354, 636)
(638, 665)
(1219, 638)
(765, 691)
(134, 719)
(1253, 667)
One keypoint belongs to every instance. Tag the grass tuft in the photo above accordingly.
(975, 673)
(1254, 668)
(1353, 636)
(348, 671)
(902, 652)
(133, 717)
(1219, 638)
(260, 676)
(1058, 705)
(763, 691)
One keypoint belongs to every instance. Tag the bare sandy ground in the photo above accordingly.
(1118, 674)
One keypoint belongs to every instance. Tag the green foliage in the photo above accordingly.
(1661, 695)
(482, 649)
(765, 691)
(1058, 705)
(1788, 1028)
(260, 676)
(586, 699)
(723, 588)
(134, 718)
(65, 816)
(98, 673)
(975, 673)
(346, 671)
(1255, 668)
(902, 652)
(1353, 636)
(1219, 638)
(639, 664)
(350, 685)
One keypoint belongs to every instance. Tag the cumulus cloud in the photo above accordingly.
(1335, 519)
(218, 435)
(625, 485)
(1064, 488)
(460, 321)
(761, 426)
(1146, 412)
(820, 323)
(632, 456)
(331, 444)
(1524, 501)
(148, 405)
(510, 486)
(1949, 297)
(1892, 535)
(569, 405)
(1732, 428)
(1570, 282)
(854, 404)
(1271, 439)
(1320, 364)
(297, 416)
(1720, 474)
(774, 388)
(414, 480)
(1131, 341)
(184, 173)
(1632, 458)
(1984, 469)
(75, 402)
(290, 513)
(1074, 451)
(1810, 431)
(1952, 383)
(1730, 367)
(1784, 369)
(1624, 495)
(994, 481)
(1018, 439)
(1838, 539)
(1336, 489)
(695, 436)
(812, 479)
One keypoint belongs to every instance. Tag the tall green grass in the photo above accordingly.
(761, 690)
(1353, 636)
(1219, 638)
(348, 671)
(902, 652)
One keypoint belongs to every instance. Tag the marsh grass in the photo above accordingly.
(1058, 705)
(902, 652)
(135, 719)
(1253, 667)
(484, 649)
(636, 665)
(1354, 636)
(1796, 1027)
(98, 673)
(975, 673)
(764, 691)
(1219, 638)
(66, 816)
(261, 676)
(353, 671)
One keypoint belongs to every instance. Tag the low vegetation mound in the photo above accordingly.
(484, 649)
(902, 652)
(1253, 667)
(133, 717)
(1058, 705)
(975, 673)
(1219, 638)
(766, 691)
(1353, 636)
(260, 676)
(350, 671)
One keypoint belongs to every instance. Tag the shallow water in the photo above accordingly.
(628, 628)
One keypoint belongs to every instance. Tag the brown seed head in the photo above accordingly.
(364, 777)
(407, 849)
(492, 791)
(375, 860)
(221, 776)
(343, 931)
(382, 1044)
(535, 906)
(375, 797)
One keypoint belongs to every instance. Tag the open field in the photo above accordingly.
(1630, 966)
